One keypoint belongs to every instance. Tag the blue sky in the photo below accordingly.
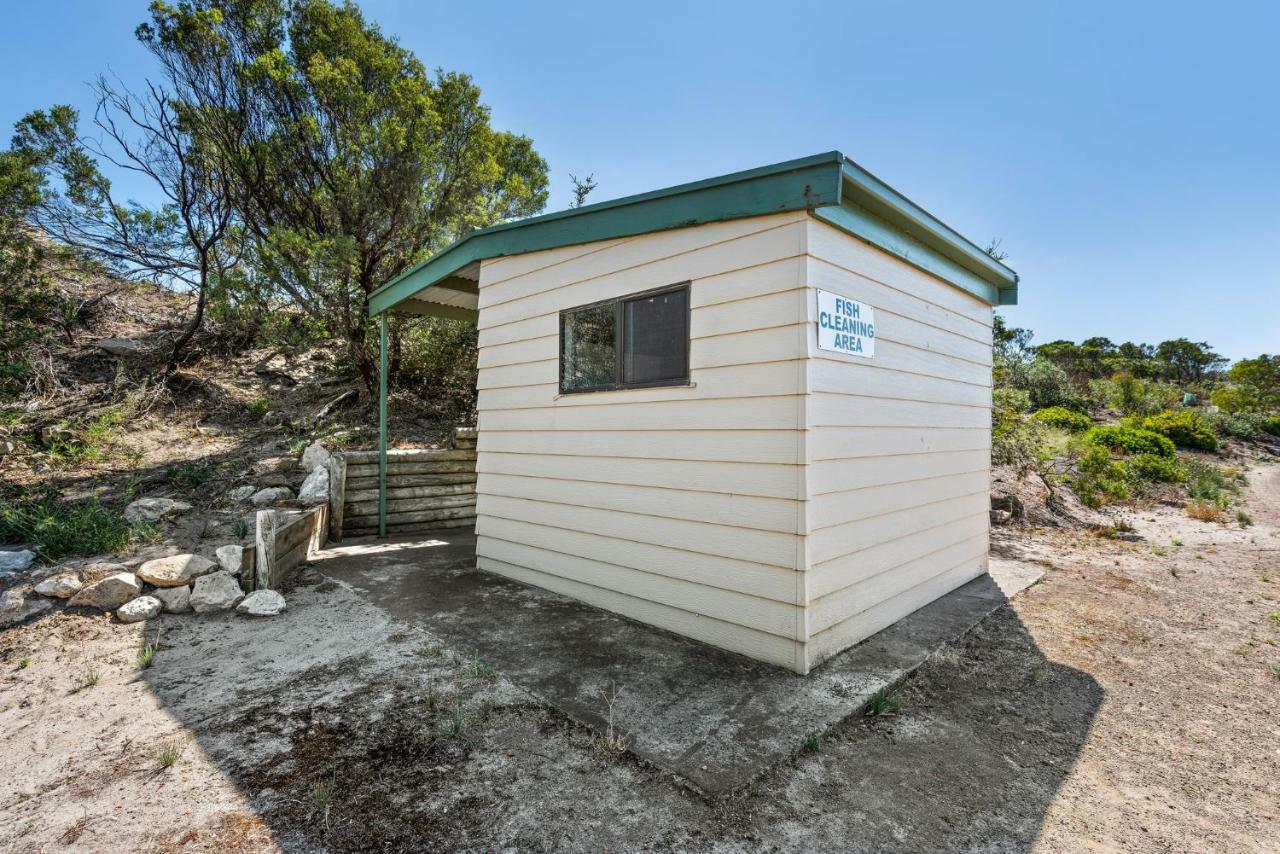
(1126, 153)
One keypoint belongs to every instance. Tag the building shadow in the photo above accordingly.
(386, 645)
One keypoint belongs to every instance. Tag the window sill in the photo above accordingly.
(580, 394)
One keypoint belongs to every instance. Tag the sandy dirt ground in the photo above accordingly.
(1128, 702)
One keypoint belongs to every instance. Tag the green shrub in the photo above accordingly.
(1154, 468)
(1212, 485)
(1242, 425)
(1272, 425)
(1128, 440)
(61, 529)
(1019, 442)
(1101, 479)
(1064, 419)
(1134, 396)
(1185, 428)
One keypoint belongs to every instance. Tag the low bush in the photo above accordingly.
(1101, 479)
(1242, 425)
(1064, 419)
(1129, 440)
(1272, 425)
(1185, 428)
(61, 529)
(1205, 511)
(1154, 468)
(1208, 483)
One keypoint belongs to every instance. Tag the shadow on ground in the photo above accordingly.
(410, 702)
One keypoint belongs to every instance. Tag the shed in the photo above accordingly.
(752, 410)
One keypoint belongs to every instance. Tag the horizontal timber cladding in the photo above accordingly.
(787, 501)
(898, 445)
(426, 488)
(681, 506)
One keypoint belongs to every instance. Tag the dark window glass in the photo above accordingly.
(628, 342)
(655, 338)
(588, 348)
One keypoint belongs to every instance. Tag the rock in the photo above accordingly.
(17, 605)
(217, 591)
(154, 509)
(16, 561)
(137, 610)
(109, 593)
(61, 586)
(120, 346)
(1000, 517)
(271, 495)
(261, 603)
(241, 493)
(230, 558)
(271, 465)
(7, 447)
(51, 435)
(93, 570)
(176, 600)
(316, 454)
(315, 489)
(175, 570)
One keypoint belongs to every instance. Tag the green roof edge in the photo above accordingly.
(832, 187)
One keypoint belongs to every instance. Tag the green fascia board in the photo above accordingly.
(793, 185)
(861, 223)
(830, 186)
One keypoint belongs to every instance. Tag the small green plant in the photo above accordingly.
(882, 703)
(1063, 419)
(241, 528)
(1211, 484)
(24, 663)
(1177, 542)
(168, 754)
(1160, 551)
(85, 680)
(258, 408)
(1035, 674)
(479, 670)
(812, 742)
(147, 656)
(1185, 428)
(322, 793)
(1274, 617)
(1243, 518)
(452, 725)
(192, 473)
(1129, 440)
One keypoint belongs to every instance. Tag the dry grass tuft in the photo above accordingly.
(1204, 511)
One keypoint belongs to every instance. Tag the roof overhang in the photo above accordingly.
(831, 187)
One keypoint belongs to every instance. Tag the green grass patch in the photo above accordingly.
(60, 529)
(191, 473)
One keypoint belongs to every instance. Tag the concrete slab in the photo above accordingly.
(715, 718)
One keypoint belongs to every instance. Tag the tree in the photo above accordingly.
(350, 162)
(582, 188)
(181, 243)
(1255, 386)
(1188, 361)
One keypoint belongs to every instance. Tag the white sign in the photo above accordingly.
(846, 326)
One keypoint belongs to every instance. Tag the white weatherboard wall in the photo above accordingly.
(786, 504)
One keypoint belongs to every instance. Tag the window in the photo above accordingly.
(638, 341)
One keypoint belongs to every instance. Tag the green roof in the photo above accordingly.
(830, 186)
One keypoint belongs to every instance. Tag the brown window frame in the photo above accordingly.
(619, 349)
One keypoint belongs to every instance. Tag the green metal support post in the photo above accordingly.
(382, 425)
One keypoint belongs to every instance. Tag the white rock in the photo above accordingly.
(217, 591)
(7, 447)
(176, 600)
(61, 586)
(137, 610)
(119, 346)
(230, 558)
(271, 495)
(17, 561)
(51, 435)
(315, 489)
(241, 493)
(261, 603)
(175, 570)
(316, 454)
(16, 605)
(108, 593)
(154, 509)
